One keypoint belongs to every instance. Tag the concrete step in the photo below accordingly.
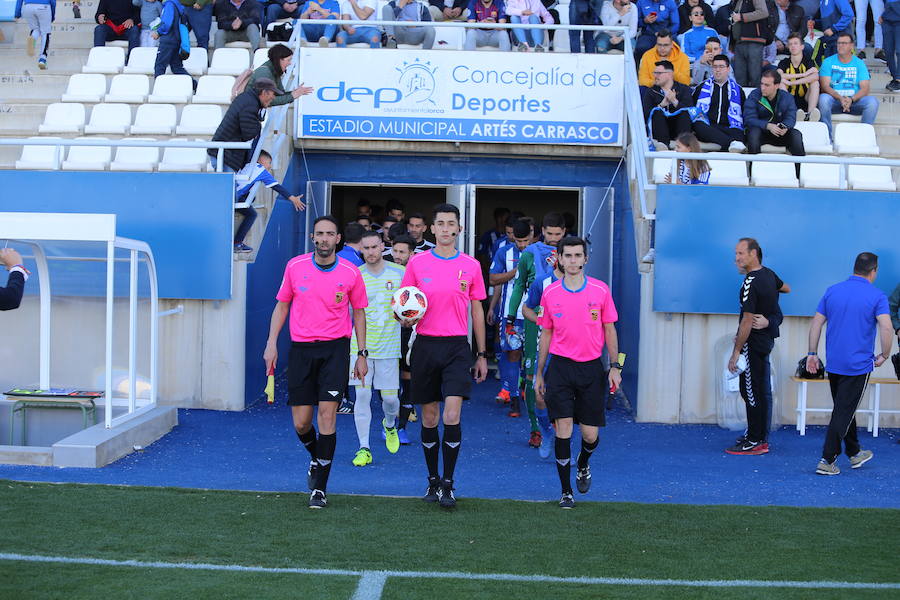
(74, 34)
(59, 60)
(31, 86)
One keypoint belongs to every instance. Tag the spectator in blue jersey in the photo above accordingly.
(832, 18)
(117, 20)
(38, 14)
(487, 239)
(326, 10)
(487, 11)
(352, 249)
(844, 85)
(169, 35)
(684, 14)
(693, 41)
(890, 29)
(244, 180)
(690, 172)
(654, 16)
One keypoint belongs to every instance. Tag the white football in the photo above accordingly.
(409, 303)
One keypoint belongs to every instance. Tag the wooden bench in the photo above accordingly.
(874, 410)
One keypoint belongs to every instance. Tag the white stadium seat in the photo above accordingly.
(63, 117)
(199, 119)
(88, 158)
(728, 172)
(128, 88)
(661, 168)
(184, 160)
(229, 61)
(871, 177)
(449, 38)
(259, 57)
(85, 87)
(773, 174)
(141, 61)
(109, 118)
(815, 137)
(172, 89)
(108, 61)
(135, 158)
(154, 119)
(820, 176)
(856, 139)
(214, 89)
(41, 157)
(196, 64)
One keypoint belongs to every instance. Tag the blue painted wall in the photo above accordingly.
(809, 237)
(186, 218)
(457, 170)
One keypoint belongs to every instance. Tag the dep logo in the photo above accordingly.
(359, 94)
(417, 80)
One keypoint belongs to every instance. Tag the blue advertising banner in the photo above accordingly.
(422, 95)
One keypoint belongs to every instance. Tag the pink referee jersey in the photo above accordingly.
(449, 285)
(321, 300)
(577, 317)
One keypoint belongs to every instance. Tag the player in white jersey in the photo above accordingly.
(382, 279)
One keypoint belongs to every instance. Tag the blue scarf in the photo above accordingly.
(692, 111)
(735, 115)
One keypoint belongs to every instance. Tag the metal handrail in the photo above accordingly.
(463, 24)
(634, 115)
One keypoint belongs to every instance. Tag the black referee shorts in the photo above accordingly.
(317, 371)
(405, 334)
(439, 367)
(576, 390)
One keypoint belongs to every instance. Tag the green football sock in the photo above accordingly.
(529, 404)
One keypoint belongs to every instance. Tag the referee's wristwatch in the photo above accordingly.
(482, 355)
(364, 353)
(615, 365)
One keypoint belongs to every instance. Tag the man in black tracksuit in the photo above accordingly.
(242, 123)
(11, 295)
(758, 327)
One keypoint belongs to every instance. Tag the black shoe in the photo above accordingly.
(861, 55)
(583, 479)
(893, 86)
(567, 501)
(445, 494)
(741, 439)
(311, 475)
(880, 55)
(317, 499)
(431, 494)
(391, 42)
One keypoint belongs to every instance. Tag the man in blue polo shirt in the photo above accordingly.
(852, 309)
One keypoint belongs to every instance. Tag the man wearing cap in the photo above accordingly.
(11, 295)
(242, 123)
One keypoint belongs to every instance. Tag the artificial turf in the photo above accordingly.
(377, 533)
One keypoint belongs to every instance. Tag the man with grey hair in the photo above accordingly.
(242, 123)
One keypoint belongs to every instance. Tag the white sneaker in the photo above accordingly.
(650, 256)
(736, 147)
(814, 115)
(801, 115)
(323, 42)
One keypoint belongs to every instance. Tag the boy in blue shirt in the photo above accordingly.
(244, 180)
(844, 82)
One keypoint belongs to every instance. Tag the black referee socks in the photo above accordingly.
(308, 439)
(564, 463)
(586, 450)
(324, 456)
(431, 447)
(452, 439)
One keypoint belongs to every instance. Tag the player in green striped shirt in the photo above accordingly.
(382, 279)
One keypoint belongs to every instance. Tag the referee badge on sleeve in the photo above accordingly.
(338, 297)
(595, 314)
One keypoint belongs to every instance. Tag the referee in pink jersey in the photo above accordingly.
(578, 317)
(317, 291)
(441, 357)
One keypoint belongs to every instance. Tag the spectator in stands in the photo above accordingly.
(407, 10)
(11, 295)
(242, 123)
(359, 10)
(862, 14)
(790, 20)
(664, 106)
(416, 226)
(684, 14)
(800, 78)
(890, 28)
(449, 10)
(690, 172)
(655, 16)
(832, 18)
(551, 6)
(326, 10)
(702, 69)
(117, 20)
(722, 23)
(721, 101)
(693, 41)
(244, 180)
(280, 57)
(38, 14)
(281, 9)
(617, 13)
(487, 11)
(169, 36)
(810, 7)
(749, 32)
(150, 11)
(237, 21)
(770, 115)
(844, 81)
(533, 12)
(666, 50)
(199, 15)
(583, 12)
(352, 249)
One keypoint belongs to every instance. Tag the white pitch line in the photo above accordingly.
(625, 581)
(371, 585)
